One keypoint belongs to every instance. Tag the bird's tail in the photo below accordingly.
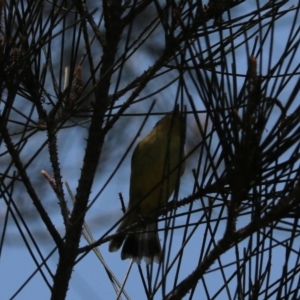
(145, 244)
(116, 242)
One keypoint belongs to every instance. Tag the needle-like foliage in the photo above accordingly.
(78, 81)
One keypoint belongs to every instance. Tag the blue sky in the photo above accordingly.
(89, 280)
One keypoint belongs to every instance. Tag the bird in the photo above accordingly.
(156, 166)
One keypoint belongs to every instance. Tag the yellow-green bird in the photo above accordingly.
(156, 166)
